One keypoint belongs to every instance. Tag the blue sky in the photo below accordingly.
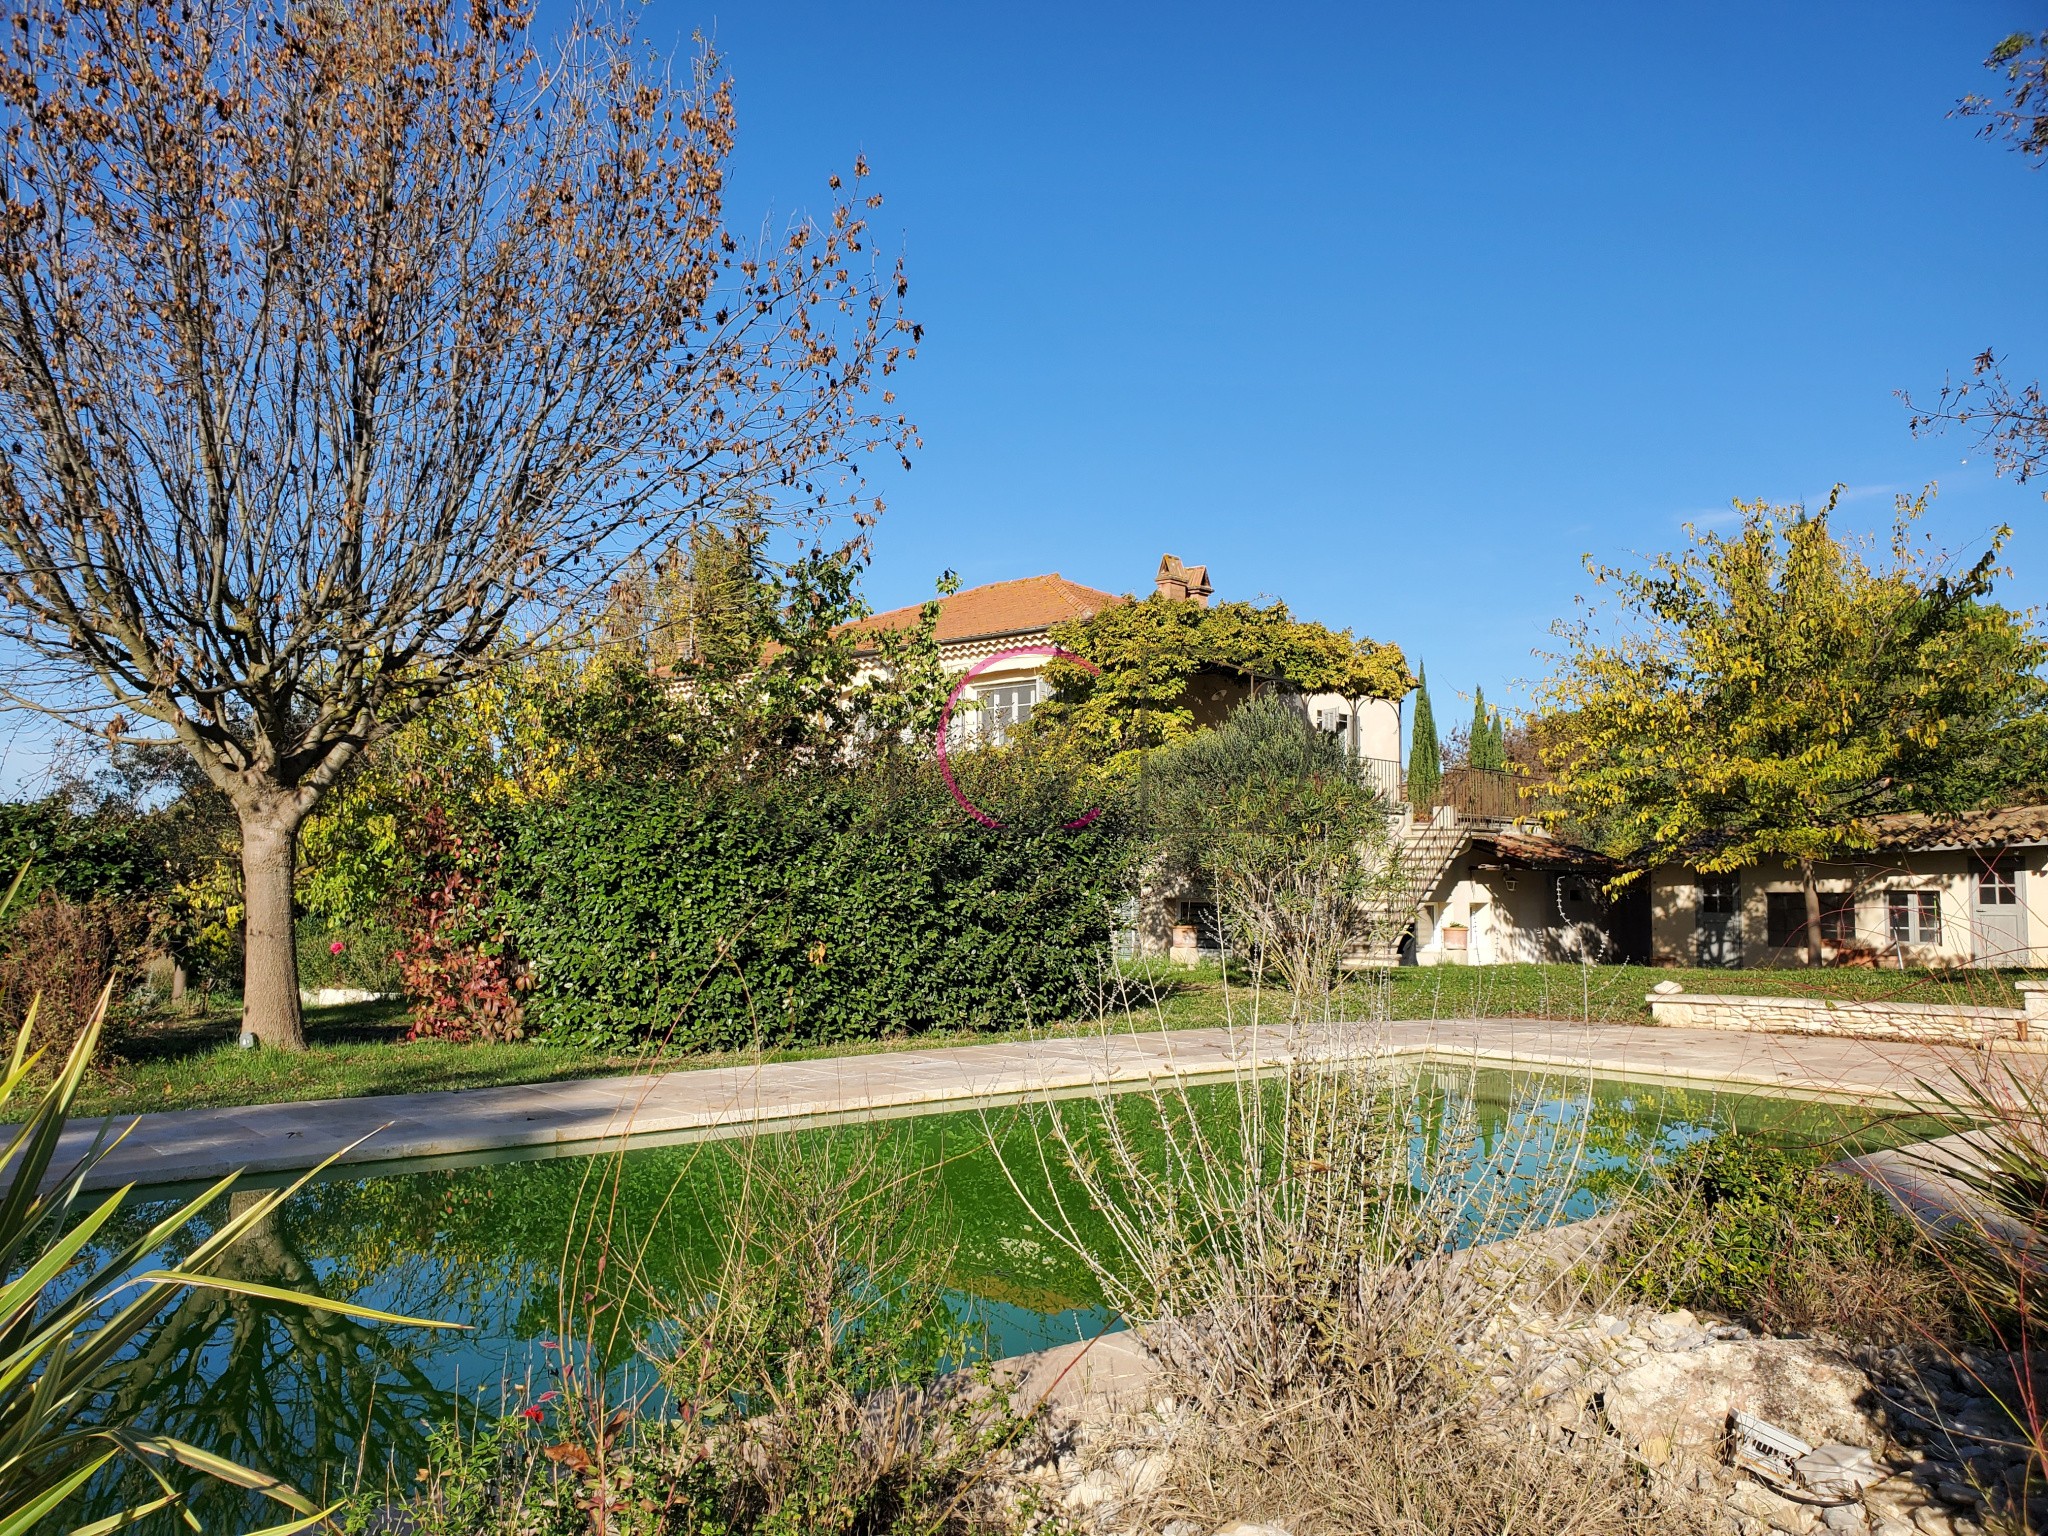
(1396, 312)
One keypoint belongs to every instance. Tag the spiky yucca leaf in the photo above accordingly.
(57, 1353)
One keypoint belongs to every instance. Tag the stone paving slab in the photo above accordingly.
(591, 1113)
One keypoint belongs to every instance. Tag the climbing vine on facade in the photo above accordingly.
(1151, 653)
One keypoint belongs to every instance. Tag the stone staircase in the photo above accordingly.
(1424, 852)
(1468, 801)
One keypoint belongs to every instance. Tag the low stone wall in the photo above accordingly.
(1923, 1023)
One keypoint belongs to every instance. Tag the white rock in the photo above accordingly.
(1836, 1471)
(1246, 1528)
(1755, 1500)
(1686, 1397)
(1098, 1487)
(1147, 1472)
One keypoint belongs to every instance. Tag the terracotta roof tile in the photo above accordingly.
(1029, 604)
(2023, 825)
(1543, 851)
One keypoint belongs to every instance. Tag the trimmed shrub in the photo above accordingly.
(81, 857)
(814, 908)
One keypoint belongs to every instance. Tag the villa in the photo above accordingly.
(978, 625)
(1970, 891)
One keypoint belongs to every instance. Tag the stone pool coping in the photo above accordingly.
(597, 1114)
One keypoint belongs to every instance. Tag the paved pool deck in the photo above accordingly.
(594, 1114)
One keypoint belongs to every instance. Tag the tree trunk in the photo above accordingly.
(179, 980)
(1813, 954)
(270, 955)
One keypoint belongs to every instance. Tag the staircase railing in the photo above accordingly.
(1483, 794)
(1383, 774)
(1476, 794)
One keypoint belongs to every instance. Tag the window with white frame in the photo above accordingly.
(1914, 916)
(1004, 707)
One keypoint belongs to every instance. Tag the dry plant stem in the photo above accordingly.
(1312, 1266)
(1993, 1243)
(767, 1349)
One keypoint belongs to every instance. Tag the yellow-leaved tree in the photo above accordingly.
(1764, 693)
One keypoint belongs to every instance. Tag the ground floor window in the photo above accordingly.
(1998, 883)
(1720, 898)
(1914, 916)
(1123, 931)
(1785, 915)
(1201, 916)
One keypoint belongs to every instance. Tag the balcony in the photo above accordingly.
(1482, 795)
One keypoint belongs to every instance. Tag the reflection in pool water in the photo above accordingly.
(314, 1397)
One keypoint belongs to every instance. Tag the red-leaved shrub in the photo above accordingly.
(65, 950)
(453, 957)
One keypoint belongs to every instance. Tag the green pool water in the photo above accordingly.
(498, 1245)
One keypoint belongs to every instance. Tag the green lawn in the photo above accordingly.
(361, 1049)
(192, 1062)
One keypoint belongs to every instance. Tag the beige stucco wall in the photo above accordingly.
(1674, 894)
(1379, 729)
(1674, 903)
(1510, 917)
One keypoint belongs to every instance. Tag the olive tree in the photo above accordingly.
(1277, 820)
(348, 350)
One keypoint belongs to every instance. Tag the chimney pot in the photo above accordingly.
(1182, 582)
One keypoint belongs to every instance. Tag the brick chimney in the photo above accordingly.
(1182, 582)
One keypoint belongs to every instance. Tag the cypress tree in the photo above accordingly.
(1479, 745)
(1425, 755)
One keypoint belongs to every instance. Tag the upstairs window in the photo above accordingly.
(1004, 708)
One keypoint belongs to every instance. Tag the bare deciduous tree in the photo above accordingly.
(345, 346)
(2009, 416)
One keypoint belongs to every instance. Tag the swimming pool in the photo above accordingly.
(518, 1248)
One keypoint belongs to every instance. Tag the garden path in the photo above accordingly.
(585, 1115)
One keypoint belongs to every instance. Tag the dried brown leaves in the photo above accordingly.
(337, 344)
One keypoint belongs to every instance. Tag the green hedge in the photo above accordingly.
(817, 908)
